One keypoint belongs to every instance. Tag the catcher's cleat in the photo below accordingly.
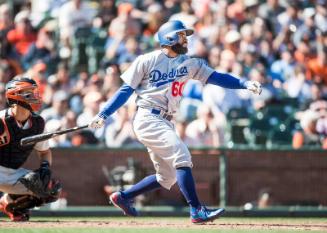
(16, 216)
(202, 214)
(125, 204)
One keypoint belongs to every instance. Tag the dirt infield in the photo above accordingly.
(175, 224)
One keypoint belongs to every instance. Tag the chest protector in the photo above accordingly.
(12, 154)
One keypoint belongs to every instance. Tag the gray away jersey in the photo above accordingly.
(158, 80)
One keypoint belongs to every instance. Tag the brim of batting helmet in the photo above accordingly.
(188, 33)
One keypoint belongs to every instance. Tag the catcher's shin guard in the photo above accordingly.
(18, 209)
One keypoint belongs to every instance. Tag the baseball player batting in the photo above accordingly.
(158, 79)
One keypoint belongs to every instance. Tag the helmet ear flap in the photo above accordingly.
(172, 38)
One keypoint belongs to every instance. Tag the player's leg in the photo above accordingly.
(149, 132)
(18, 199)
(13, 191)
(172, 161)
(17, 206)
(147, 184)
(198, 212)
(124, 199)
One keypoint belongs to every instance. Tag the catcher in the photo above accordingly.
(23, 189)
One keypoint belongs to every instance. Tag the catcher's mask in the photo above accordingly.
(24, 92)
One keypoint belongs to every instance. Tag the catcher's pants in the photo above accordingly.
(167, 151)
(9, 183)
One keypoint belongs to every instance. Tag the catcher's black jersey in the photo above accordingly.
(12, 154)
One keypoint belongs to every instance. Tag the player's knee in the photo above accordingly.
(166, 182)
(182, 158)
(184, 161)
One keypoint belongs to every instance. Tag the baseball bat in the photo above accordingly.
(44, 136)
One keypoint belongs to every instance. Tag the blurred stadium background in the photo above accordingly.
(261, 155)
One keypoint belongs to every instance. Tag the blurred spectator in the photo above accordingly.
(154, 19)
(320, 106)
(84, 138)
(2, 99)
(181, 125)
(307, 31)
(192, 99)
(6, 72)
(283, 68)
(107, 11)
(120, 133)
(290, 17)
(73, 15)
(214, 57)
(205, 130)
(23, 35)
(321, 15)
(264, 200)
(317, 67)
(269, 11)
(6, 24)
(297, 86)
(58, 141)
(111, 80)
(124, 24)
(309, 134)
(268, 90)
(232, 41)
(62, 80)
(58, 108)
(303, 53)
(236, 11)
(91, 103)
(132, 51)
(123, 31)
(186, 14)
(221, 100)
(38, 73)
(42, 50)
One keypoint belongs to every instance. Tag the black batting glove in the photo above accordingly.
(44, 169)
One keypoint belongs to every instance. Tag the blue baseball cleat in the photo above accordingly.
(125, 204)
(202, 214)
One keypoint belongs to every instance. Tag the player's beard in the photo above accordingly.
(179, 49)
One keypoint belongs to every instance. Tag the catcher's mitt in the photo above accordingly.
(41, 184)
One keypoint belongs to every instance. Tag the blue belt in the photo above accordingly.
(160, 113)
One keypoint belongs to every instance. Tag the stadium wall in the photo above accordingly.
(293, 177)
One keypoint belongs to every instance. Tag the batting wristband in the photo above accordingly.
(45, 164)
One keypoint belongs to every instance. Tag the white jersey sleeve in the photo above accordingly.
(200, 70)
(135, 73)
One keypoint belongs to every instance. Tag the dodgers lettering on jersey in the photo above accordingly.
(158, 80)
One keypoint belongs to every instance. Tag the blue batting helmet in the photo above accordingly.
(167, 33)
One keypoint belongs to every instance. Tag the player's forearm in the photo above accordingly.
(226, 81)
(45, 156)
(116, 101)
